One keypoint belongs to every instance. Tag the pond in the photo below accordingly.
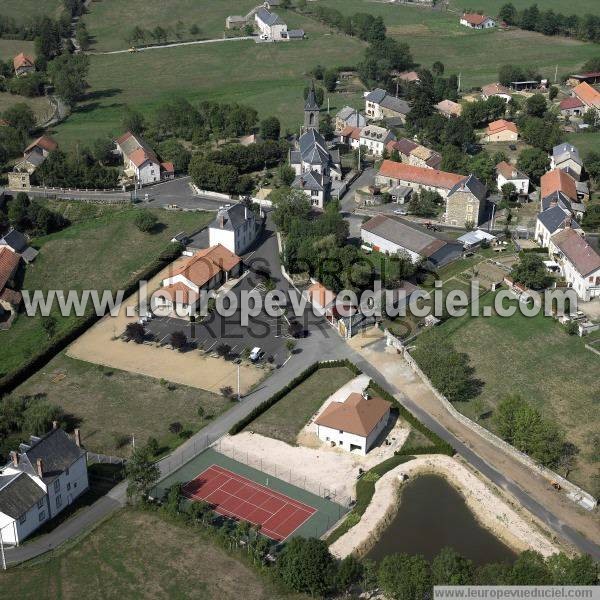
(432, 515)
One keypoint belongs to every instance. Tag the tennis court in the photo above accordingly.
(238, 491)
(235, 496)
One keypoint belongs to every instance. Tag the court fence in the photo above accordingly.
(184, 454)
(227, 447)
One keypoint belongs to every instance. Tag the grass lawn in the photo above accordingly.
(24, 10)
(101, 250)
(109, 22)
(42, 109)
(491, 7)
(111, 404)
(10, 48)
(137, 555)
(477, 55)
(286, 418)
(536, 358)
(269, 77)
(585, 142)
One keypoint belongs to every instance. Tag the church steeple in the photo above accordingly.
(311, 110)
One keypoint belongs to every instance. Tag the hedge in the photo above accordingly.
(535, 250)
(11, 380)
(278, 395)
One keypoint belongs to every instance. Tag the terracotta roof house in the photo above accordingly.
(140, 162)
(588, 95)
(14, 240)
(404, 146)
(419, 178)
(477, 21)
(43, 145)
(391, 234)
(23, 64)
(9, 263)
(448, 108)
(495, 89)
(206, 270)
(354, 424)
(579, 262)
(507, 173)
(572, 106)
(558, 180)
(501, 131)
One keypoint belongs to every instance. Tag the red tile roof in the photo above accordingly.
(139, 157)
(11, 296)
(22, 60)
(474, 18)
(9, 261)
(351, 132)
(179, 293)
(419, 175)
(501, 125)
(355, 415)
(569, 103)
(576, 248)
(558, 181)
(509, 171)
(587, 94)
(204, 265)
(493, 89)
(45, 142)
(319, 295)
(168, 166)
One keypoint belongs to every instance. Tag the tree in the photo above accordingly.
(425, 203)
(270, 128)
(552, 92)
(49, 326)
(153, 446)
(437, 68)
(135, 332)
(350, 572)
(307, 566)
(531, 272)
(68, 73)
(330, 79)
(326, 126)
(530, 569)
(287, 205)
(579, 570)
(450, 568)
(142, 474)
(178, 340)
(533, 161)
(39, 416)
(290, 345)
(20, 116)
(145, 221)
(102, 149)
(535, 106)
(173, 151)
(404, 577)
(82, 36)
(508, 13)
(592, 165)
(18, 211)
(509, 192)
(133, 120)
(286, 175)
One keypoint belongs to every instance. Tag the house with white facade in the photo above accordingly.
(495, 90)
(507, 173)
(180, 294)
(477, 21)
(372, 138)
(235, 227)
(270, 24)
(551, 221)
(566, 158)
(140, 162)
(379, 104)
(43, 477)
(354, 424)
(579, 262)
(391, 234)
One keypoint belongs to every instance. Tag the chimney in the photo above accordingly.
(365, 394)
(77, 436)
(40, 468)
(568, 223)
(221, 221)
(15, 458)
(245, 212)
(54, 424)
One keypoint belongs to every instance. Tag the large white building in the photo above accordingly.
(42, 478)
(371, 137)
(579, 262)
(551, 221)
(140, 162)
(354, 424)
(270, 24)
(507, 173)
(235, 227)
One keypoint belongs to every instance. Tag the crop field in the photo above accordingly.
(109, 21)
(476, 55)
(269, 77)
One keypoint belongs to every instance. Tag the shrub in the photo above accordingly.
(176, 427)
(145, 221)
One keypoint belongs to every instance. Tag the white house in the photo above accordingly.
(44, 477)
(579, 262)
(507, 173)
(566, 158)
(371, 137)
(495, 89)
(140, 162)
(355, 423)
(235, 227)
(270, 24)
(477, 21)
(379, 105)
(551, 221)
(206, 270)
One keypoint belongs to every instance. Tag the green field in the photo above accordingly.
(491, 7)
(23, 10)
(476, 55)
(284, 420)
(585, 142)
(109, 21)
(111, 405)
(536, 358)
(137, 554)
(101, 250)
(269, 77)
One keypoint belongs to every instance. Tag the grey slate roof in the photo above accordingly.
(16, 240)
(233, 217)
(472, 184)
(376, 96)
(553, 218)
(295, 34)
(312, 180)
(18, 493)
(311, 100)
(268, 17)
(561, 199)
(57, 451)
(396, 104)
(565, 151)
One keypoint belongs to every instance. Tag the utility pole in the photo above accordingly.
(238, 384)
(459, 78)
(327, 104)
(2, 551)
(556, 74)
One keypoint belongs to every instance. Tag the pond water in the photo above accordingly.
(432, 515)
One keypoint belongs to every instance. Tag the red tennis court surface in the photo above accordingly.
(232, 495)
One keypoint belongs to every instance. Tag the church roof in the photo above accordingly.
(311, 100)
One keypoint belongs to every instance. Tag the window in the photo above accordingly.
(341, 431)
(41, 504)
(58, 501)
(23, 518)
(68, 486)
(57, 485)
(42, 516)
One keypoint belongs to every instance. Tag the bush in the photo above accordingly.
(145, 221)
(176, 427)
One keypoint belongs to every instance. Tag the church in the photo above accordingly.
(314, 164)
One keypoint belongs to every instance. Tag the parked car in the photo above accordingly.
(256, 354)
(401, 211)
